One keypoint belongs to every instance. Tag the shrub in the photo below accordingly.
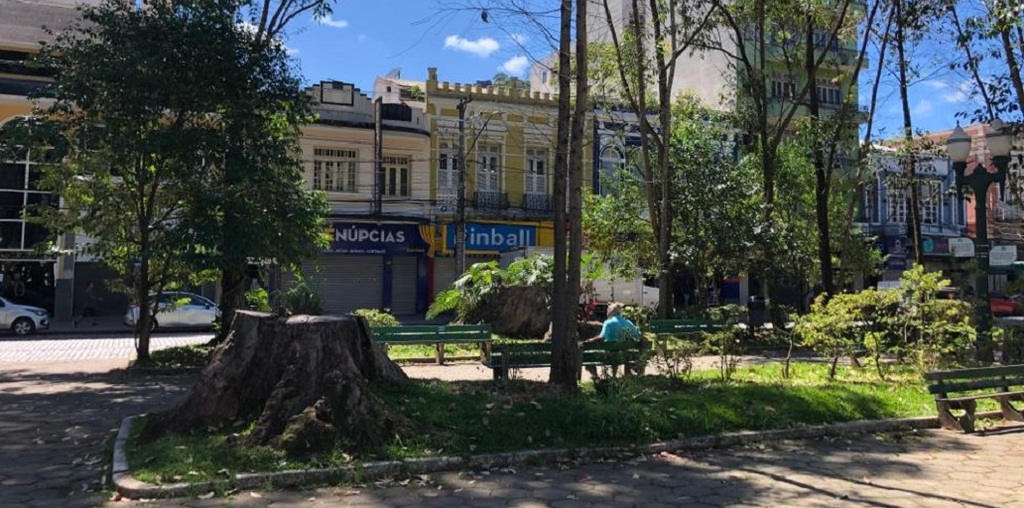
(258, 299)
(303, 298)
(376, 317)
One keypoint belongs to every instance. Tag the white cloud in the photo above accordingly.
(518, 38)
(922, 108)
(935, 84)
(515, 66)
(331, 22)
(958, 95)
(482, 47)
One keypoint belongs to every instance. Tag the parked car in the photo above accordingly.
(1001, 304)
(178, 309)
(23, 319)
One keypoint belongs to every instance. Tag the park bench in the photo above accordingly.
(961, 389)
(525, 355)
(438, 335)
(687, 329)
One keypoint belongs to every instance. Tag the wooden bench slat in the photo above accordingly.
(980, 384)
(1005, 370)
(984, 396)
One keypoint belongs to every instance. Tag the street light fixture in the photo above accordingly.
(958, 147)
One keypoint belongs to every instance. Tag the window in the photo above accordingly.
(870, 203)
(334, 170)
(396, 173)
(783, 87)
(536, 171)
(897, 202)
(828, 92)
(488, 168)
(611, 163)
(447, 168)
(19, 195)
(931, 202)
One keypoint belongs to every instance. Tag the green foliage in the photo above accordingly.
(178, 357)
(303, 298)
(910, 323)
(258, 299)
(639, 315)
(375, 317)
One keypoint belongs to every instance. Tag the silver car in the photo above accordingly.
(22, 319)
(178, 309)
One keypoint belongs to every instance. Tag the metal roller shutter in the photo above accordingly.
(403, 285)
(347, 283)
(444, 274)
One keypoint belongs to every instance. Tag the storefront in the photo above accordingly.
(485, 241)
(376, 265)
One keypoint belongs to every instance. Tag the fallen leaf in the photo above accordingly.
(208, 495)
(256, 494)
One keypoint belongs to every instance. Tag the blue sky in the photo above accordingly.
(368, 38)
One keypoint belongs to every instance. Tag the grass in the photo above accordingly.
(463, 418)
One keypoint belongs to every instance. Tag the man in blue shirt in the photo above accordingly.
(616, 328)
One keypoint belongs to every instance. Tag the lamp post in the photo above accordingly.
(999, 141)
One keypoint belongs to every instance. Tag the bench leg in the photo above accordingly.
(1009, 412)
(439, 353)
(964, 423)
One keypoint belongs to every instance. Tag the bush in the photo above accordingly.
(258, 299)
(376, 317)
(303, 298)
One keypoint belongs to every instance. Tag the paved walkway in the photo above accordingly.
(74, 348)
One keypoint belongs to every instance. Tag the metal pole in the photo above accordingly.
(378, 156)
(984, 351)
(460, 205)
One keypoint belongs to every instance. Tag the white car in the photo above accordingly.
(178, 309)
(22, 319)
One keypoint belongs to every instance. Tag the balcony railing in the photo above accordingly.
(540, 203)
(490, 200)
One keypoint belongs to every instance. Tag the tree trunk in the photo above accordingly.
(821, 183)
(910, 164)
(561, 316)
(304, 380)
(232, 294)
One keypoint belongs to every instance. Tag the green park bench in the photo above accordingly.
(525, 355)
(686, 329)
(438, 335)
(1003, 384)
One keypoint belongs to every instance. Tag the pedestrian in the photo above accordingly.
(89, 306)
(617, 328)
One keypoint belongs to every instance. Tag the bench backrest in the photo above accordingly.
(684, 326)
(943, 382)
(474, 333)
(539, 353)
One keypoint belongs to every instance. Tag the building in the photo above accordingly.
(885, 213)
(379, 222)
(26, 274)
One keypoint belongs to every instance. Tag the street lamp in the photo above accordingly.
(958, 147)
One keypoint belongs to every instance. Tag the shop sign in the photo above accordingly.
(961, 247)
(1002, 255)
(376, 238)
(935, 245)
(489, 237)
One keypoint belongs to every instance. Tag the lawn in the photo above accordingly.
(463, 418)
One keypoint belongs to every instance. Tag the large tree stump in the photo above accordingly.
(515, 311)
(304, 380)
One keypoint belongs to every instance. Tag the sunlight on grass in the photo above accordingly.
(463, 418)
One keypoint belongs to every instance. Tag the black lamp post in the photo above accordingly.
(1000, 141)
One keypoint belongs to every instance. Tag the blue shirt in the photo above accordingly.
(618, 328)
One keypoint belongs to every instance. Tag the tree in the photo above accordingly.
(254, 205)
(135, 104)
(644, 55)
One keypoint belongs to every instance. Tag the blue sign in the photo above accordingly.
(377, 239)
(493, 237)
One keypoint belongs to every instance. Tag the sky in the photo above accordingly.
(364, 39)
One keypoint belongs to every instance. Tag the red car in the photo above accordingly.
(1001, 304)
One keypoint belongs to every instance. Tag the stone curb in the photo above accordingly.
(129, 487)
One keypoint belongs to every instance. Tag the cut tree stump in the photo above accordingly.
(304, 380)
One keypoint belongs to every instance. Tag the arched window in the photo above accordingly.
(612, 161)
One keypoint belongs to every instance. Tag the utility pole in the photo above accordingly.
(378, 156)
(460, 206)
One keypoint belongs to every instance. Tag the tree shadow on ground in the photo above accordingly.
(54, 426)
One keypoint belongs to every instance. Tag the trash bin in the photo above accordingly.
(757, 310)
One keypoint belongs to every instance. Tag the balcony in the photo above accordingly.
(490, 200)
(537, 203)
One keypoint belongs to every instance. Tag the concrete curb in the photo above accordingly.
(129, 487)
